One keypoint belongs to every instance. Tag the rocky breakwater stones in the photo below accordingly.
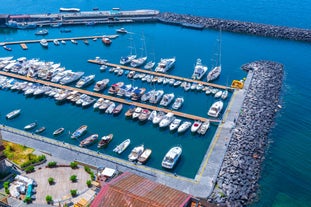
(238, 26)
(237, 181)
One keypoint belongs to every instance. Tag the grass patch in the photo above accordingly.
(21, 155)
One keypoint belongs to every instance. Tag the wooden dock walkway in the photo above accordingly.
(24, 42)
(112, 98)
(161, 74)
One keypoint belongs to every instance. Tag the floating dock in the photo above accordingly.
(112, 98)
(161, 74)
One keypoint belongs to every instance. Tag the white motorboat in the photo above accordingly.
(44, 43)
(30, 126)
(121, 147)
(178, 103)
(165, 64)
(13, 114)
(224, 94)
(79, 132)
(56, 42)
(85, 81)
(195, 126)
(158, 117)
(167, 119)
(199, 70)
(71, 77)
(110, 108)
(213, 74)
(89, 140)
(149, 65)
(167, 99)
(171, 157)
(136, 152)
(98, 103)
(137, 112)
(144, 115)
(215, 109)
(175, 124)
(204, 127)
(152, 115)
(218, 94)
(138, 61)
(184, 126)
(144, 156)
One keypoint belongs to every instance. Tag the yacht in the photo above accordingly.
(218, 94)
(71, 77)
(175, 124)
(100, 85)
(127, 59)
(136, 152)
(165, 64)
(199, 70)
(89, 140)
(79, 132)
(152, 115)
(144, 115)
(195, 126)
(184, 126)
(167, 99)
(215, 109)
(105, 104)
(13, 114)
(167, 119)
(56, 42)
(146, 96)
(121, 147)
(138, 62)
(40, 130)
(204, 127)
(104, 141)
(85, 81)
(171, 157)
(178, 103)
(214, 73)
(224, 94)
(156, 96)
(149, 65)
(121, 30)
(117, 109)
(110, 108)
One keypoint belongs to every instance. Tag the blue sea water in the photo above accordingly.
(285, 178)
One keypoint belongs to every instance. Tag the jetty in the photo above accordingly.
(160, 74)
(112, 98)
(32, 21)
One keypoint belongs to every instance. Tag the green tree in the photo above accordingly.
(51, 180)
(49, 199)
(73, 192)
(89, 183)
(73, 178)
(74, 165)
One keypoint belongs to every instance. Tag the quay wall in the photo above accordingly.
(184, 20)
(237, 181)
(266, 30)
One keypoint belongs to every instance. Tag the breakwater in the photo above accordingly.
(237, 181)
(266, 30)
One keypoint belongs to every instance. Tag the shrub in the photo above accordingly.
(52, 164)
(6, 184)
(7, 191)
(92, 176)
(41, 158)
(49, 199)
(74, 165)
(87, 169)
(73, 178)
(89, 183)
(73, 193)
(27, 200)
(29, 169)
(51, 180)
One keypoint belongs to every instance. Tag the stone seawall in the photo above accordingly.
(237, 181)
(236, 26)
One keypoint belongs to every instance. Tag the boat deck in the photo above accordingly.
(161, 74)
(112, 98)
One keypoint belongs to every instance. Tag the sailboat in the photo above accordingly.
(149, 65)
(127, 59)
(142, 59)
(215, 72)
